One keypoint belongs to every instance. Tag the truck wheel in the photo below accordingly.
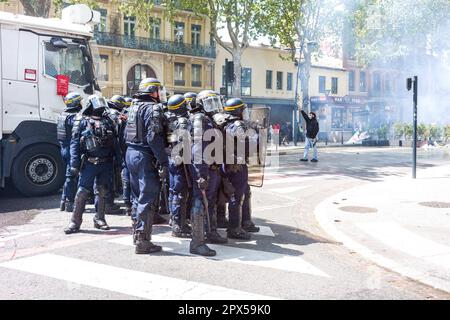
(38, 170)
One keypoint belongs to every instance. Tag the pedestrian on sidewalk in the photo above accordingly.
(312, 129)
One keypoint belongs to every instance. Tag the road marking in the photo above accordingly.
(126, 281)
(263, 231)
(401, 239)
(274, 207)
(22, 234)
(288, 189)
(238, 255)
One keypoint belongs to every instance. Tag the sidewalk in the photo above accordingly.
(400, 223)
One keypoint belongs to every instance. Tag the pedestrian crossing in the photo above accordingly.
(130, 282)
(235, 254)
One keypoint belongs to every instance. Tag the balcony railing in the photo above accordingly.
(141, 43)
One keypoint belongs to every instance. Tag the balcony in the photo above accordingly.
(141, 43)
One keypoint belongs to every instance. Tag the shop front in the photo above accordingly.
(340, 117)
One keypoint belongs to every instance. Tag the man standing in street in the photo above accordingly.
(146, 142)
(312, 129)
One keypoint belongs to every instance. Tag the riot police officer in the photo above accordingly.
(205, 175)
(145, 139)
(125, 174)
(178, 138)
(237, 170)
(190, 99)
(64, 134)
(92, 150)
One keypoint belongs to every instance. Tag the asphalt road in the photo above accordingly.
(292, 258)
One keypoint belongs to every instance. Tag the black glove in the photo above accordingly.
(164, 172)
(74, 171)
(202, 183)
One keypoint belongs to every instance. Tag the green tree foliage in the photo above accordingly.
(387, 29)
(301, 25)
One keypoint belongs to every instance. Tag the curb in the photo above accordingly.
(321, 212)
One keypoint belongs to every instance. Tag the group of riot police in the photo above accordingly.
(156, 147)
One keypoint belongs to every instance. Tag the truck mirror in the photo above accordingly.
(85, 52)
(58, 43)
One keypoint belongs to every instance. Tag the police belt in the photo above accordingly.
(214, 166)
(98, 160)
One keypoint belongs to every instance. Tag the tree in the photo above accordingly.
(300, 26)
(237, 17)
(389, 29)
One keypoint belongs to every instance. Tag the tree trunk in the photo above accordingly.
(237, 55)
(39, 8)
(305, 69)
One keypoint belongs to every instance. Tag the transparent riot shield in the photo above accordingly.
(258, 119)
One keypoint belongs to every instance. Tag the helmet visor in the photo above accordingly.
(98, 103)
(212, 104)
(162, 94)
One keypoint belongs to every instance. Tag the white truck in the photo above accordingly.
(33, 52)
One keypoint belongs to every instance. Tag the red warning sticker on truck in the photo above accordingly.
(30, 74)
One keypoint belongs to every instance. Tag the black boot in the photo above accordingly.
(77, 214)
(178, 231)
(69, 206)
(62, 205)
(249, 226)
(145, 246)
(128, 208)
(222, 221)
(213, 236)
(197, 244)
(143, 239)
(238, 233)
(99, 218)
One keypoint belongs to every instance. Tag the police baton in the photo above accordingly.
(205, 204)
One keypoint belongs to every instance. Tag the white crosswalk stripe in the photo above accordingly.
(237, 255)
(4, 238)
(401, 239)
(125, 281)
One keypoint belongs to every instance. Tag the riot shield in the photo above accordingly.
(258, 119)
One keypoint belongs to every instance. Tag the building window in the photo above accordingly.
(322, 81)
(279, 80)
(103, 68)
(212, 41)
(376, 82)
(334, 85)
(155, 29)
(179, 74)
(351, 80)
(289, 81)
(196, 75)
(246, 81)
(129, 26)
(178, 32)
(230, 87)
(195, 34)
(388, 84)
(101, 27)
(268, 79)
(362, 81)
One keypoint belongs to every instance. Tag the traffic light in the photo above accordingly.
(229, 70)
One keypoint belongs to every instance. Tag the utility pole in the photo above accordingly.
(413, 83)
(295, 124)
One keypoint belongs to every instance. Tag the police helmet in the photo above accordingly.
(234, 106)
(209, 101)
(72, 101)
(152, 85)
(118, 102)
(128, 101)
(190, 98)
(177, 103)
(96, 105)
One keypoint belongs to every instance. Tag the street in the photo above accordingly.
(292, 257)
